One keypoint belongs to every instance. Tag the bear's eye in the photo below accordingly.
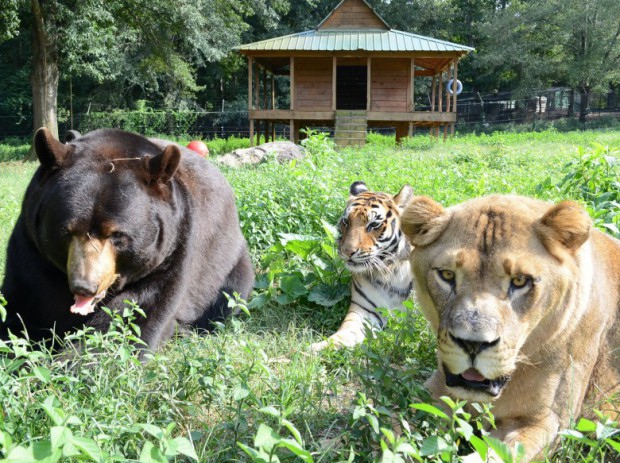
(520, 281)
(118, 239)
(446, 275)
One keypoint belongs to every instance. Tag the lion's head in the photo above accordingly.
(493, 276)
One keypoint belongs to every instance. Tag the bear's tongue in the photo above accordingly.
(473, 375)
(83, 305)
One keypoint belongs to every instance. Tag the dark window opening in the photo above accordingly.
(351, 84)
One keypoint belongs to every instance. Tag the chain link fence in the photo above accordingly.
(475, 112)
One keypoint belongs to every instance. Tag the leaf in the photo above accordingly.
(89, 448)
(43, 374)
(152, 454)
(428, 408)
(433, 445)
(240, 392)
(293, 286)
(270, 410)
(297, 449)
(60, 435)
(465, 429)
(185, 447)
(501, 449)
(479, 446)
(293, 430)
(266, 438)
(328, 295)
(613, 444)
(153, 430)
(56, 414)
(585, 425)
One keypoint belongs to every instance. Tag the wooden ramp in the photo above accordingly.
(351, 128)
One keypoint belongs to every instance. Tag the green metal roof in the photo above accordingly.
(354, 40)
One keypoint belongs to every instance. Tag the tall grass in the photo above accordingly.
(253, 390)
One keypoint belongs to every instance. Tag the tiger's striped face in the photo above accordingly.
(370, 228)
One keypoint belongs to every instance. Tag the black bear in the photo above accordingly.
(113, 216)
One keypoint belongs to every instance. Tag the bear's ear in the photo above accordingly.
(403, 196)
(566, 225)
(51, 152)
(423, 220)
(163, 166)
(356, 188)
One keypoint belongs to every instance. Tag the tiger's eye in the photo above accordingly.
(447, 275)
(344, 222)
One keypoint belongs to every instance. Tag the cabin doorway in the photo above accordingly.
(351, 91)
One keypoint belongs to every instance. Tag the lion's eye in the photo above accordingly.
(520, 281)
(447, 275)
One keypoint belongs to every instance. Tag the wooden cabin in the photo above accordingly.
(351, 72)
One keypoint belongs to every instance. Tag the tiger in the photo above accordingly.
(376, 253)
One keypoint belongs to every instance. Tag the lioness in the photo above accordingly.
(523, 297)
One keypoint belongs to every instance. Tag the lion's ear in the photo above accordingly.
(567, 225)
(423, 220)
(403, 196)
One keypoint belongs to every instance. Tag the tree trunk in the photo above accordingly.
(571, 102)
(584, 107)
(44, 76)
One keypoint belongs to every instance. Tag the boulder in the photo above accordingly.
(282, 151)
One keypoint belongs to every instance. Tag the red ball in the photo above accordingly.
(199, 147)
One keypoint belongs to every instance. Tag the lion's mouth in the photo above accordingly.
(473, 380)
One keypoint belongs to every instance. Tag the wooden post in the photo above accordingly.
(433, 85)
(412, 84)
(456, 69)
(456, 73)
(265, 89)
(273, 91)
(441, 91)
(250, 65)
(292, 77)
(368, 82)
(256, 89)
(334, 77)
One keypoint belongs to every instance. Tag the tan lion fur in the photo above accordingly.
(539, 289)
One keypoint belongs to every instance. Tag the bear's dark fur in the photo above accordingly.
(113, 216)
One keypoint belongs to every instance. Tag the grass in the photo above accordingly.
(253, 391)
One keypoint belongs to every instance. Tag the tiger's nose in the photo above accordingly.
(473, 347)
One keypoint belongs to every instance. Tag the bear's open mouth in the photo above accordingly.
(86, 304)
(473, 380)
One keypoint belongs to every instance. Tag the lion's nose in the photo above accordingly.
(473, 347)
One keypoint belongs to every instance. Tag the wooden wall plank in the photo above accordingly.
(353, 14)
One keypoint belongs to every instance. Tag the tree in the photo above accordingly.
(154, 44)
(536, 43)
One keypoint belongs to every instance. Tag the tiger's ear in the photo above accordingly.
(51, 152)
(403, 196)
(357, 188)
(566, 226)
(424, 220)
